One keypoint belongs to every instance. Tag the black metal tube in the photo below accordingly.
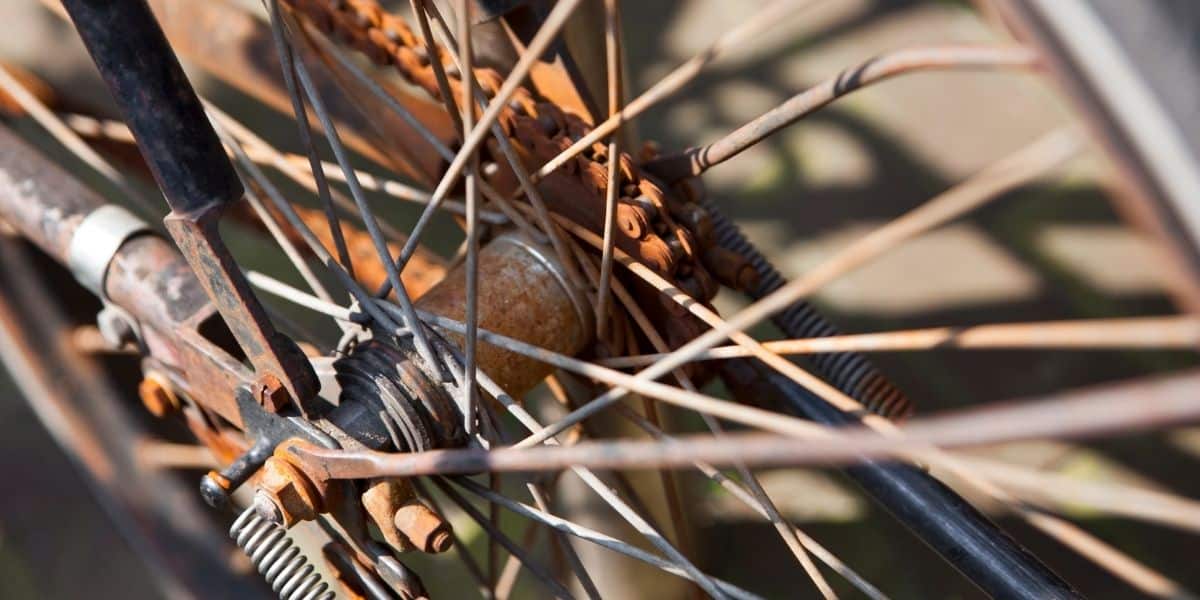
(945, 521)
(157, 102)
(962, 535)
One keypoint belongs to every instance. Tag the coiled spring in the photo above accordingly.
(850, 372)
(278, 559)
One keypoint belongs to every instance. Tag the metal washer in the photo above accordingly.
(97, 240)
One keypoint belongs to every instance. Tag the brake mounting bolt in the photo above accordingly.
(271, 394)
(286, 489)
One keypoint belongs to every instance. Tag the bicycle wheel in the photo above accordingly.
(399, 386)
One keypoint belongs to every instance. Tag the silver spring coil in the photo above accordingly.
(278, 559)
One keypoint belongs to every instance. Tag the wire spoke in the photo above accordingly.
(745, 415)
(287, 59)
(470, 391)
(71, 141)
(420, 340)
(1158, 333)
(762, 504)
(612, 48)
(549, 30)
(1090, 414)
(1085, 413)
(262, 152)
(666, 478)
(507, 579)
(589, 535)
(542, 501)
(770, 16)
(1017, 169)
(314, 245)
(651, 421)
(1059, 490)
(494, 533)
(286, 244)
(695, 161)
(420, 9)
(524, 181)
(378, 91)
(631, 516)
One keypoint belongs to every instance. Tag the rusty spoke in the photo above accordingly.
(650, 422)
(1106, 410)
(390, 101)
(287, 61)
(420, 339)
(574, 529)
(695, 161)
(1156, 333)
(494, 533)
(272, 225)
(612, 51)
(542, 501)
(72, 142)
(1032, 161)
(471, 179)
(760, 502)
(627, 513)
(420, 10)
(549, 30)
(310, 239)
(290, 165)
(772, 15)
(511, 157)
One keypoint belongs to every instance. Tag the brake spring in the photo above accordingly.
(278, 559)
(850, 372)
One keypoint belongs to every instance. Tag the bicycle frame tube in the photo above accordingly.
(195, 176)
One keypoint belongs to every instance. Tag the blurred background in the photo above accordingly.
(1053, 250)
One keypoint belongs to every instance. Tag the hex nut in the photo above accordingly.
(290, 490)
(157, 395)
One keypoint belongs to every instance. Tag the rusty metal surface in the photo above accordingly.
(9, 107)
(524, 294)
(667, 235)
(292, 494)
(147, 277)
(426, 530)
(27, 180)
(423, 270)
(276, 359)
(233, 45)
